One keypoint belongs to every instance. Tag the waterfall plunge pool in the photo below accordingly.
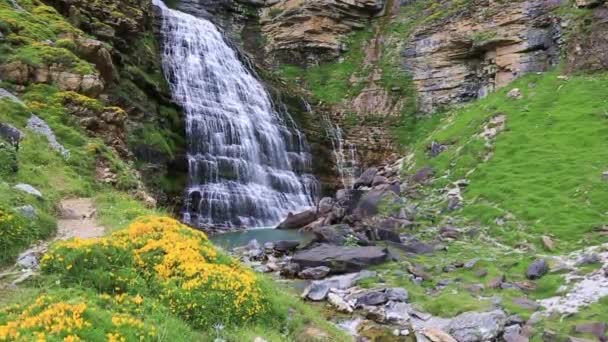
(230, 240)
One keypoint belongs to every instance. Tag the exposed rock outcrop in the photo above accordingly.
(306, 32)
(479, 50)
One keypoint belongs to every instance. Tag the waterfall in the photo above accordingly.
(247, 164)
(344, 153)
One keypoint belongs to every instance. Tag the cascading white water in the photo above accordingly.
(345, 154)
(247, 168)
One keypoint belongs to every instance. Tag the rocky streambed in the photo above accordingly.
(334, 255)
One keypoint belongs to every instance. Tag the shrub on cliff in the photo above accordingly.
(159, 257)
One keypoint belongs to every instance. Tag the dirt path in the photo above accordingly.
(76, 220)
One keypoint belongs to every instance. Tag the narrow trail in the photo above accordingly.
(76, 220)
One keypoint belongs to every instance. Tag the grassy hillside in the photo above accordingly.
(543, 173)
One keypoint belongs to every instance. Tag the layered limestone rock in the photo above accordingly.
(306, 32)
(23, 74)
(481, 49)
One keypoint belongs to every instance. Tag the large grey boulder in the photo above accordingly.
(318, 290)
(369, 203)
(27, 211)
(366, 178)
(28, 189)
(39, 126)
(477, 326)
(315, 273)
(341, 259)
(297, 221)
(335, 234)
(325, 205)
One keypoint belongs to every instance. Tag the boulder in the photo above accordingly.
(290, 270)
(340, 304)
(29, 190)
(589, 259)
(417, 247)
(325, 206)
(341, 259)
(315, 273)
(27, 211)
(477, 326)
(366, 178)
(39, 126)
(297, 221)
(335, 234)
(386, 235)
(379, 180)
(369, 203)
(373, 297)
(10, 134)
(285, 246)
(537, 269)
(319, 289)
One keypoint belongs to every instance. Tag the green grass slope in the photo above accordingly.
(543, 173)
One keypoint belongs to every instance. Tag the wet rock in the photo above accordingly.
(315, 273)
(319, 289)
(297, 221)
(290, 270)
(28, 189)
(341, 259)
(477, 326)
(366, 179)
(285, 246)
(537, 269)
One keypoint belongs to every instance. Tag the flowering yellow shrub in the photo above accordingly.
(53, 319)
(158, 256)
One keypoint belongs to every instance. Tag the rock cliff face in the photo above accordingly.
(307, 32)
(481, 49)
